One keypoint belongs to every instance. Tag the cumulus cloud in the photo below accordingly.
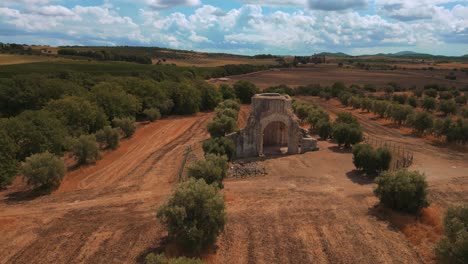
(165, 4)
(276, 2)
(54, 10)
(333, 5)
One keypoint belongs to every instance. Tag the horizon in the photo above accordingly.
(243, 27)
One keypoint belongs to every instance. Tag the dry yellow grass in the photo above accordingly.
(9, 59)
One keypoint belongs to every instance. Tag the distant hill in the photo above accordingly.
(334, 54)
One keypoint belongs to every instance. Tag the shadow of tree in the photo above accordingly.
(359, 177)
(27, 195)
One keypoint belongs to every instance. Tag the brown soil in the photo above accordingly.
(329, 74)
(103, 213)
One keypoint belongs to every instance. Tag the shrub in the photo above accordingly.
(195, 215)
(86, 149)
(213, 169)
(127, 125)
(347, 134)
(461, 100)
(453, 248)
(43, 170)
(324, 128)
(221, 126)
(412, 101)
(109, 137)
(162, 259)
(448, 107)
(421, 121)
(227, 92)
(8, 163)
(431, 93)
(152, 114)
(371, 161)
(245, 91)
(402, 190)
(220, 146)
(429, 103)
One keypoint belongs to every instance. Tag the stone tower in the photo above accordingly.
(272, 122)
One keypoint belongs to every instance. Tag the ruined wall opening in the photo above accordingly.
(275, 138)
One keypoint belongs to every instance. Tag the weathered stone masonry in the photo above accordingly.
(271, 122)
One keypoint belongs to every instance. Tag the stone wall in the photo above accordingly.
(272, 111)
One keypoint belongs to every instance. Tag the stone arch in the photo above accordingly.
(292, 130)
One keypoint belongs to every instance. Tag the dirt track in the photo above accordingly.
(102, 213)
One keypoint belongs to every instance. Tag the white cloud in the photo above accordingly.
(165, 4)
(333, 5)
(54, 10)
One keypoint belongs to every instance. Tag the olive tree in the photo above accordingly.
(195, 215)
(213, 169)
(453, 248)
(43, 170)
(86, 149)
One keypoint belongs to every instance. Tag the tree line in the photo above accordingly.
(105, 55)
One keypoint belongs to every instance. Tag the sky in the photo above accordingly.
(280, 27)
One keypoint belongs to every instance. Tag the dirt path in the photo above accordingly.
(308, 209)
(445, 167)
(102, 213)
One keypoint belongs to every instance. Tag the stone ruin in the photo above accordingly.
(272, 128)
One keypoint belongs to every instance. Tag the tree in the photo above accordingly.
(79, 115)
(227, 92)
(245, 90)
(211, 97)
(109, 137)
(115, 101)
(222, 126)
(44, 170)
(448, 107)
(324, 128)
(412, 101)
(152, 114)
(371, 161)
(222, 111)
(453, 248)
(187, 99)
(402, 190)
(86, 149)
(220, 146)
(431, 93)
(421, 121)
(233, 104)
(347, 134)
(35, 132)
(399, 113)
(195, 215)
(127, 125)
(429, 103)
(346, 118)
(213, 169)
(8, 163)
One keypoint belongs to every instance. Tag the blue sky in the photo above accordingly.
(284, 27)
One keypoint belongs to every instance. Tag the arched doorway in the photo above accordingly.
(275, 138)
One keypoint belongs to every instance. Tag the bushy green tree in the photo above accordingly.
(86, 149)
(230, 112)
(115, 101)
(109, 137)
(372, 161)
(152, 114)
(195, 215)
(35, 132)
(187, 99)
(213, 169)
(43, 170)
(8, 163)
(346, 134)
(245, 90)
(324, 129)
(233, 104)
(448, 107)
(78, 114)
(453, 248)
(428, 103)
(221, 126)
(220, 146)
(227, 92)
(346, 118)
(458, 132)
(399, 113)
(402, 190)
(412, 101)
(421, 121)
(431, 93)
(127, 125)
(210, 95)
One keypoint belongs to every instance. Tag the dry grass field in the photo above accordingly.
(330, 73)
(10, 59)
